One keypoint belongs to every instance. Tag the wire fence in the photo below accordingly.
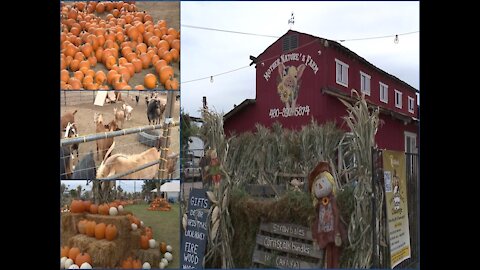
(73, 98)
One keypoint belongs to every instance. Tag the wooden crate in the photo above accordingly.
(284, 245)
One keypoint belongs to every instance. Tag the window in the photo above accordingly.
(383, 93)
(410, 142)
(290, 42)
(342, 73)
(365, 83)
(411, 104)
(398, 99)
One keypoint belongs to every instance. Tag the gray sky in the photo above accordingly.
(205, 53)
(127, 185)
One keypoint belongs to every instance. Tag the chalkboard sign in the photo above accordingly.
(283, 245)
(196, 234)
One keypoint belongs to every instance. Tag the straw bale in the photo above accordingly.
(151, 255)
(68, 226)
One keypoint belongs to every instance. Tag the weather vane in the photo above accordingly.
(291, 21)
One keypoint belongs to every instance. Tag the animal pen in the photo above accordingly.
(263, 188)
(135, 137)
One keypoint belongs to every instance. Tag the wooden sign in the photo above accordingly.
(283, 245)
(195, 238)
(100, 98)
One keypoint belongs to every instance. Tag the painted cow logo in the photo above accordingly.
(288, 83)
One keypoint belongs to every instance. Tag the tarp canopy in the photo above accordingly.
(154, 190)
(171, 187)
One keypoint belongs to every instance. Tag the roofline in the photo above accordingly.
(238, 108)
(348, 51)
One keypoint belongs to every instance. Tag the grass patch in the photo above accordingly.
(165, 225)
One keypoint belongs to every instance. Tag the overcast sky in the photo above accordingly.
(205, 53)
(127, 185)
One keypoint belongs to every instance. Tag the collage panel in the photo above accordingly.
(119, 135)
(119, 224)
(120, 45)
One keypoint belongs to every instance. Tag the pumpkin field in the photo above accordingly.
(118, 232)
(83, 103)
(120, 45)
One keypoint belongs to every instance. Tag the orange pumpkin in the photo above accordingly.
(77, 206)
(163, 44)
(94, 207)
(74, 65)
(83, 258)
(163, 247)
(165, 73)
(175, 54)
(92, 60)
(87, 49)
(137, 64)
(90, 228)
(127, 264)
(64, 251)
(100, 8)
(111, 232)
(131, 68)
(75, 83)
(144, 242)
(137, 264)
(176, 44)
(139, 87)
(64, 75)
(131, 56)
(73, 252)
(100, 77)
(103, 208)
(171, 84)
(145, 60)
(150, 81)
(100, 231)
(110, 61)
(110, 75)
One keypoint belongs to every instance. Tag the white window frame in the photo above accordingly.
(398, 101)
(343, 67)
(366, 76)
(413, 136)
(385, 100)
(411, 105)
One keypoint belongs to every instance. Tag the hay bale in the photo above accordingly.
(68, 226)
(151, 255)
(107, 254)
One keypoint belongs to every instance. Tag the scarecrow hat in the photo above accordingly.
(322, 166)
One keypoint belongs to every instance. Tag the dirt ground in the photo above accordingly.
(168, 11)
(127, 144)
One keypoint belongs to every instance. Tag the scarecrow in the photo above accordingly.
(327, 230)
(213, 169)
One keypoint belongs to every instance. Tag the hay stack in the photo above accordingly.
(104, 253)
(68, 227)
(151, 255)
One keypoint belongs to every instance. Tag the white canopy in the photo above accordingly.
(154, 190)
(171, 187)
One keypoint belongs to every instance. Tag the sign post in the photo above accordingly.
(196, 234)
(397, 208)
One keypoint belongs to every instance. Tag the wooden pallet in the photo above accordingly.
(284, 245)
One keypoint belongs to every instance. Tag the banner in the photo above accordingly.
(396, 202)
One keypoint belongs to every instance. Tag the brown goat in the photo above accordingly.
(68, 117)
(119, 163)
(119, 116)
(104, 144)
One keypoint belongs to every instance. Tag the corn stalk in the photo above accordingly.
(363, 124)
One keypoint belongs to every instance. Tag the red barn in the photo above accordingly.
(300, 77)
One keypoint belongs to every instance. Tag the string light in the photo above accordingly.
(396, 39)
(211, 79)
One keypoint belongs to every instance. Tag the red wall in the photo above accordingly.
(323, 107)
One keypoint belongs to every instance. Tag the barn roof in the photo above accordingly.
(238, 108)
(349, 52)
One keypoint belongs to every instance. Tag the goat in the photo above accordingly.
(155, 111)
(104, 144)
(119, 116)
(68, 117)
(128, 111)
(119, 163)
(66, 163)
(72, 131)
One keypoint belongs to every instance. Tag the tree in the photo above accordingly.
(62, 189)
(79, 191)
(73, 193)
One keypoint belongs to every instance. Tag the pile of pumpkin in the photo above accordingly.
(126, 42)
(160, 204)
(71, 258)
(112, 209)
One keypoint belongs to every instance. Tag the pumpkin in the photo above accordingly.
(62, 262)
(165, 73)
(137, 64)
(98, 54)
(68, 263)
(146, 60)
(146, 265)
(74, 65)
(100, 8)
(141, 223)
(131, 68)
(151, 243)
(82, 226)
(176, 44)
(127, 264)
(141, 48)
(163, 44)
(64, 75)
(175, 54)
(92, 60)
(86, 265)
(139, 87)
(163, 247)
(83, 258)
(103, 209)
(73, 266)
(167, 56)
(169, 248)
(159, 64)
(161, 265)
(93, 209)
(73, 252)
(100, 231)
(75, 84)
(144, 242)
(113, 211)
(120, 208)
(110, 61)
(91, 73)
(155, 59)
(86, 49)
(86, 205)
(165, 261)
(100, 78)
(77, 206)
(64, 251)
(137, 264)
(168, 256)
(171, 84)
(150, 81)
(90, 228)
(111, 232)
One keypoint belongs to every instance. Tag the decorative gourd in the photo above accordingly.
(113, 211)
(111, 232)
(73, 252)
(168, 256)
(62, 262)
(77, 206)
(134, 227)
(83, 258)
(68, 263)
(163, 247)
(64, 251)
(146, 265)
(100, 231)
(144, 242)
(151, 243)
(86, 265)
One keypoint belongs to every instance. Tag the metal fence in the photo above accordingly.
(73, 98)
(381, 254)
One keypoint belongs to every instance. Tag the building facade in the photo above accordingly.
(301, 77)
